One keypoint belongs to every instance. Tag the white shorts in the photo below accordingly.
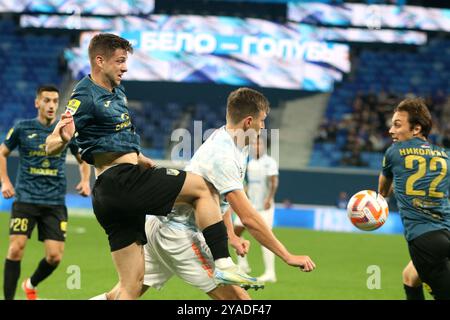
(267, 215)
(176, 250)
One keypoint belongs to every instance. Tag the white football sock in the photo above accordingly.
(224, 263)
(269, 261)
(100, 297)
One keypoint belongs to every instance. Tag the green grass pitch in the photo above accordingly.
(342, 261)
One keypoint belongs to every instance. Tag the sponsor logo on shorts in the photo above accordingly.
(172, 172)
(63, 226)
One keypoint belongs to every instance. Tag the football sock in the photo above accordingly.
(10, 277)
(217, 240)
(414, 293)
(243, 262)
(100, 297)
(269, 261)
(43, 270)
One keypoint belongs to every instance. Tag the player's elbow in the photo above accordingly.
(248, 221)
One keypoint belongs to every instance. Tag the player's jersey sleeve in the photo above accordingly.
(387, 163)
(73, 147)
(81, 108)
(226, 176)
(12, 139)
(272, 168)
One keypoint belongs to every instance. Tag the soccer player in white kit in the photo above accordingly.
(262, 184)
(175, 245)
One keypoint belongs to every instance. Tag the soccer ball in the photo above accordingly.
(367, 210)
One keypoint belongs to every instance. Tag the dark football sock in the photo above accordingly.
(414, 293)
(43, 270)
(10, 277)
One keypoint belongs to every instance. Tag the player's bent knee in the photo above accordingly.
(410, 278)
(54, 259)
(16, 251)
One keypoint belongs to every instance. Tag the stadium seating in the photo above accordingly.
(27, 60)
(355, 132)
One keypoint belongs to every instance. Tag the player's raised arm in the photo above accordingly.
(61, 135)
(261, 232)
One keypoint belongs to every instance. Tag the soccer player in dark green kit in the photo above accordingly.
(128, 184)
(40, 193)
(418, 172)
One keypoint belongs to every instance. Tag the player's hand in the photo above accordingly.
(240, 245)
(84, 189)
(66, 127)
(267, 204)
(303, 262)
(8, 190)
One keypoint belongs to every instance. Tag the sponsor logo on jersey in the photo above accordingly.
(33, 135)
(45, 163)
(107, 103)
(72, 106)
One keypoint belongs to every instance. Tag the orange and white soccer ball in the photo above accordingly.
(367, 210)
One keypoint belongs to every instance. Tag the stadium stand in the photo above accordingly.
(354, 132)
(28, 60)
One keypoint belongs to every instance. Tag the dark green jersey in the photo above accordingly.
(102, 120)
(421, 185)
(41, 179)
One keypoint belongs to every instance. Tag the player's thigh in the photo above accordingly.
(23, 219)
(229, 293)
(194, 187)
(129, 263)
(52, 224)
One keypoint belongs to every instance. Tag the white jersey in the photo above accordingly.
(220, 162)
(258, 173)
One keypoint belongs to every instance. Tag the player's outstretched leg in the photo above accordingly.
(129, 263)
(208, 217)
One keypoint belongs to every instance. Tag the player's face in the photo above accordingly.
(258, 122)
(115, 67)
(400, 129)
(47, 104)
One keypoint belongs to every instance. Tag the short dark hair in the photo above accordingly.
(418, 114)
(105, 44)
(245, 102)
(46, 87)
